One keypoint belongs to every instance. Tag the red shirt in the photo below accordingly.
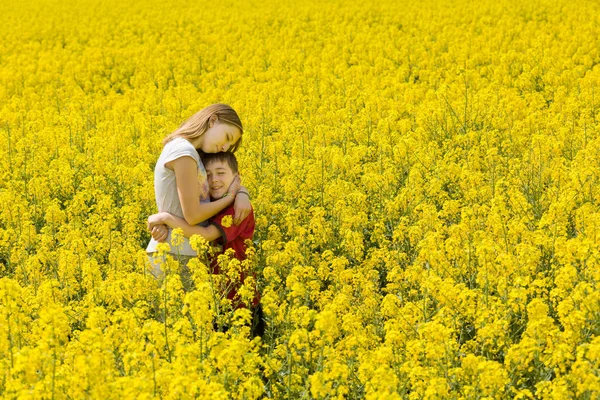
(233, 237)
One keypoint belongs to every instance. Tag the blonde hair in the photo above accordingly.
(197, 124)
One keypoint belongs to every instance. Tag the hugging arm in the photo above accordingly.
(241, 206)
(209, 233)
(186, 177)
(160, 232)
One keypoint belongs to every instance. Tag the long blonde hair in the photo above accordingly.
(197, 124)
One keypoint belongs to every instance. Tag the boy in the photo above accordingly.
(221, 170)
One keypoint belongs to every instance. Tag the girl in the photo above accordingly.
(180, 183)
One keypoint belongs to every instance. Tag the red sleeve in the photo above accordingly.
(240, 232)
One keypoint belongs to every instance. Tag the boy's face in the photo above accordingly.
(219, 176)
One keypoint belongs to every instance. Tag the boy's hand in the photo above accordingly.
(160, 233)
(241, 207)
(156, 219)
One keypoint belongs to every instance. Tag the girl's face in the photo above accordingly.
(219, 137)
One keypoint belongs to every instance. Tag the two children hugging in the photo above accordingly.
(221, 172)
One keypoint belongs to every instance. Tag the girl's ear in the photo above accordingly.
(211, 121)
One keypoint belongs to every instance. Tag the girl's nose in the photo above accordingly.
(225, 147)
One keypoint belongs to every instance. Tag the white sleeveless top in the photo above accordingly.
(165, 188)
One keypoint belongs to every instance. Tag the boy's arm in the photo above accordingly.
(160, 232)
(229, 231)
(209, 233)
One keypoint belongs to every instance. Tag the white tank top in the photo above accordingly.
(165, 188)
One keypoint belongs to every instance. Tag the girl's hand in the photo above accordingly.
(160, 233)
(241, 207)
(235, 186)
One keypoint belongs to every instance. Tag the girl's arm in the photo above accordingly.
(242, 206)
(186, 176)
(209, 233)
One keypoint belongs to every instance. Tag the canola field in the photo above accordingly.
(425, 178)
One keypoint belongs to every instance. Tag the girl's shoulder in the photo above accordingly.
(179, 147)
(179, 142)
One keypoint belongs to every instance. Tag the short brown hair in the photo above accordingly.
(225, 157)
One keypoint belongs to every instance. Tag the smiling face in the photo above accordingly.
(219, 137)
(220, 176)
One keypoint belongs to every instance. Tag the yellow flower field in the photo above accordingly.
(425, 178)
